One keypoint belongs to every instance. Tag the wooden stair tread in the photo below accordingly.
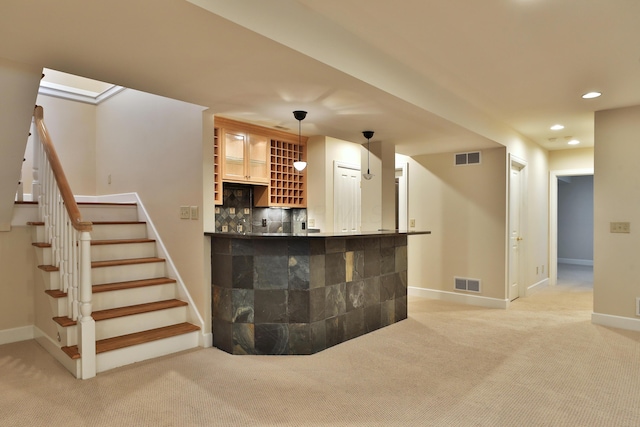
(107, 203)
(135, 338)
(35, 223)
(120, 241)
(101, 242)
(117, 286)
(113, 313)
(110, 263)
(131, 261)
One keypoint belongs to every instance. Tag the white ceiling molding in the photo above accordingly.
(76, 94)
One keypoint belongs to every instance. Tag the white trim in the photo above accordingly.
(575, 261)
(619, 322)
(79, 95)
(536, 287)
(553, 217)
(460, 298)
(53, 348)
(523, 258)
(21, 333)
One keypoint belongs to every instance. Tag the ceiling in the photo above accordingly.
(430, 76)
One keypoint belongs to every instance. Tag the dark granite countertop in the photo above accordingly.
(258, 235)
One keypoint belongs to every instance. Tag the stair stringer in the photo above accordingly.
(194, 316)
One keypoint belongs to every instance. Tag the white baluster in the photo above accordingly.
(86, 325)
(37, 150)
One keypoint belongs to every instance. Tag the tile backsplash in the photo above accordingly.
(237, 210)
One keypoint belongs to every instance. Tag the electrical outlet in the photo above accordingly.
(620, 227)
(239, 228)
(185, 212)
(194, 212)
(264, 222)
(542, 268)
(217, 210)
(225, 228)
(247, 211)
(312, 222)
(536, 269)
(412, 223)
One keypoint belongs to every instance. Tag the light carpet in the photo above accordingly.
(539, 363)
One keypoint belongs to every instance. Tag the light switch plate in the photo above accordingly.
(412, 223)
(620, 227)
(194, 212)
(185, 213)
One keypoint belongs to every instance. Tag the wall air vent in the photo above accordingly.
(466, 284)
(472, 158)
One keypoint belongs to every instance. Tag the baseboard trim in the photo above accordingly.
(616, 321)
(536, 287)
(458, 297)
(588, 262)
(22, 333)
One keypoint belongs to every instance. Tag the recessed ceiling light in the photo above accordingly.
(557, 127)
(573, 142)
(590, 95)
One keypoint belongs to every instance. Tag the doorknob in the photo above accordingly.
(519, 238)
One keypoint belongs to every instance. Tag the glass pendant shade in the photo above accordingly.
(299, 164)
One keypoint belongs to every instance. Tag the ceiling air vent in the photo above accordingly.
(471, 158)
(466, 284)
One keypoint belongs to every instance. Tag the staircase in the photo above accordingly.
(137, 308)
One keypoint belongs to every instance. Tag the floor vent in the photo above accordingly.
(472, 158)
(466, 284)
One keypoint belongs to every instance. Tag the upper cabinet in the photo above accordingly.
(264, 157)
(245, 156)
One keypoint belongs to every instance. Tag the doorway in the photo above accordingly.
(570, 262)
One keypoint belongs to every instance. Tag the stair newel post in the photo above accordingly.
(86, 324)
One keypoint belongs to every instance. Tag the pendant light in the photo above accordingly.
(368, 134)
(299, 164)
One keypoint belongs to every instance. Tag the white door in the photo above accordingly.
(346, 198)
(515, 229)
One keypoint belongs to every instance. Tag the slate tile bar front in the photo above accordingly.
(292, 294)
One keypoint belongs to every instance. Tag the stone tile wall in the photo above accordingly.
(237, 209)
(301, 295)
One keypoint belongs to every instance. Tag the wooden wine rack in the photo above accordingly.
(287, 186)
(217, 176)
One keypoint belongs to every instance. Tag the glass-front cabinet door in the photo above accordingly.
(258, 156)
(234, 156)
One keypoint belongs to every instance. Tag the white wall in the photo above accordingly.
(464, 208)
(616, 195)
(72, 127)
(153, 146)
(578, 158)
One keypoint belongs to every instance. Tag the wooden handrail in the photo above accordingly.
(63, 185)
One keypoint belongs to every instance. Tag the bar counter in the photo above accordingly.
(302, 293)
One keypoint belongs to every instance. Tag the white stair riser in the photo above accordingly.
(118, 231)
(126, 297)
(108, 212)
(50, 279)
(125, 273)
(120, 298)
(123, 251)
(129, 324)
(137, 353)
(37, 233)
(140, 322)
(43, 256)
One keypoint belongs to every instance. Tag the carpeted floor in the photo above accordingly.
(539, 363)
